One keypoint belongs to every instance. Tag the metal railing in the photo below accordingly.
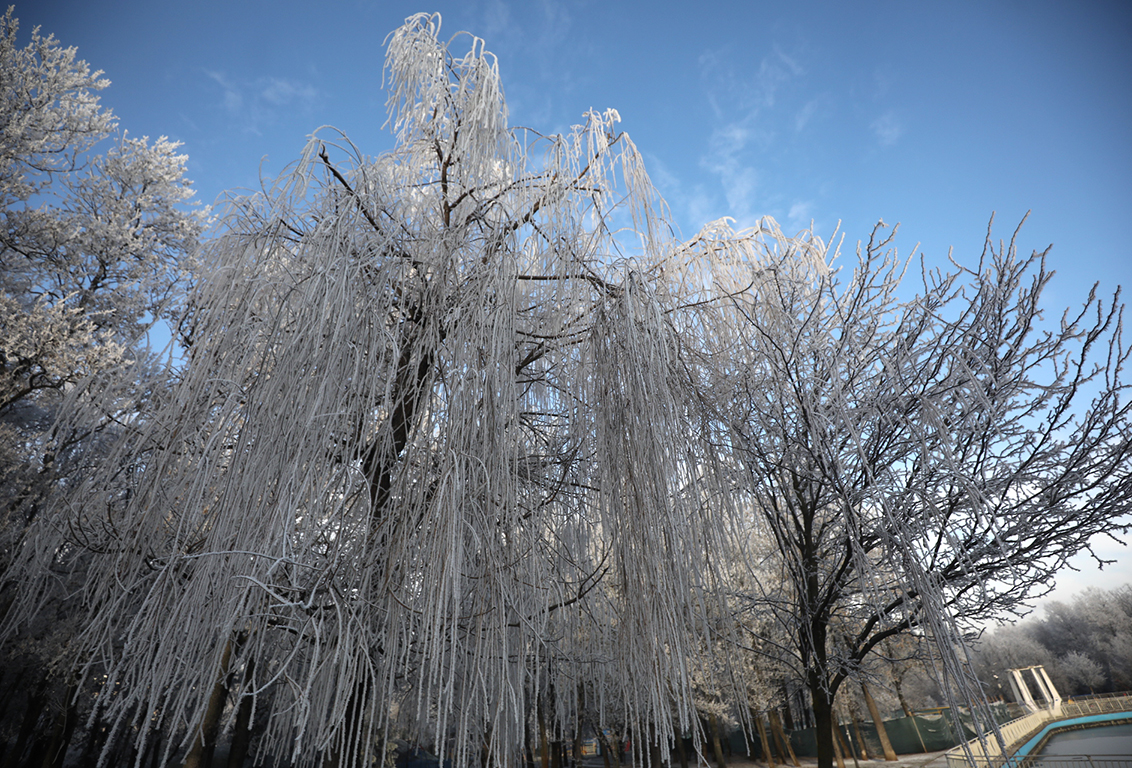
(1016, 732)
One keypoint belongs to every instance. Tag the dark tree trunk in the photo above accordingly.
(60, 738)
(610, 749)
(200, 754)
(241, 733)
(543, 741)
(654, 748)
(578, 732)
(6, 701)
(35, 706)
(823, 721)
(155, 750)
(529, 749)
(95, 742)
(787, 709)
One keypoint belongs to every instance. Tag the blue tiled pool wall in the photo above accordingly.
(1110, 719)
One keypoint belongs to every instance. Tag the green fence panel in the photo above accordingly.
(931, 731)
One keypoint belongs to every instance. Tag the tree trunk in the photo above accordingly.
(896, 681)
(836, 745)
(781, 739)
(823, 721)
(64, 729)
(861, 746)
(35, 705)
(787, 709)
(654, 748)
(608, 750)
(200, 755)
(886, 745)
(95, 742)
(716, 745)
(241, 733)
(543, 744)
(843, 745)
(6, 701)
(155, 750)
(768, 757)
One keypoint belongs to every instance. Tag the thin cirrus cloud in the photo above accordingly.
(749, 115)
(738, 178)
(257, 103)
(887, 128)
(801, 214)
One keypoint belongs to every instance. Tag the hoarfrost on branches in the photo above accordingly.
(467, 442)
(919, 465)
(431, 458)
(94, 248)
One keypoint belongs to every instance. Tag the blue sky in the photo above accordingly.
(933, 115)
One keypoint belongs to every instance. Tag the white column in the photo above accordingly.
(1022, 690)
(1055, 697)
(1047, 697)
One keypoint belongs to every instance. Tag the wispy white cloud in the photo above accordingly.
(789, 62)
(233, 100)
(749, 110)
(727, 158)
(286, 92)
(259, 102)
(887, 128)
(496, 19)
(816, 108)
(729, 90)
(740, 187)
(800, 215)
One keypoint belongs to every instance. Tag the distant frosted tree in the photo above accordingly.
(93, 247)
(1081, 671)
(1096, 623)
(1011, 647)
(431, 459)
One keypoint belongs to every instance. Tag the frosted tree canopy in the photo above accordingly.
(464, 441)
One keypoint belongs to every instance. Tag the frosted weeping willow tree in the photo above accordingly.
(429, 459)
